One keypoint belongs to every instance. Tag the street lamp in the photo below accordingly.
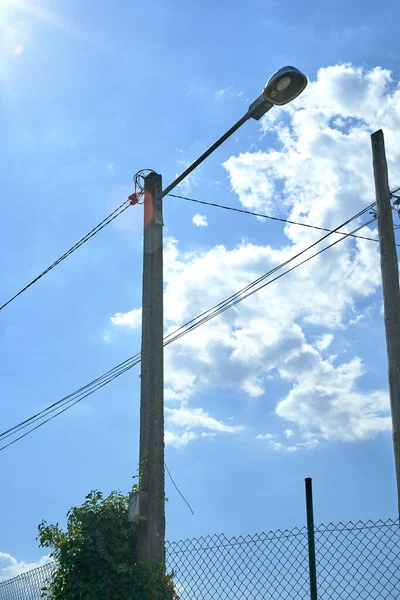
(147, 505)
(283, 87)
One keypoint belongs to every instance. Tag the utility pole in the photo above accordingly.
(151, 526)
(390, 286)
(147, 506)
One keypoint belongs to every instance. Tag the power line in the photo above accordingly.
(201, 319)
(242, 296)
(281, 220)
(70, 400)
(178, 490)
(232, 298)
(118, 211)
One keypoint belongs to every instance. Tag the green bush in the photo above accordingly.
(96, 555)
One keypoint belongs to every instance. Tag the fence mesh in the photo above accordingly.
(354, 562)
(26, 586)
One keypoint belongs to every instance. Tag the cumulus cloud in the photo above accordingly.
(181, 422)
(131, 319)
(244, 345)
(177, 440)
(11, 567)
(197, 417)
(316, 169)
(324, 399)
(200, 220)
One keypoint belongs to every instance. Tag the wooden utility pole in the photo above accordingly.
(151, 528)
(390, 286)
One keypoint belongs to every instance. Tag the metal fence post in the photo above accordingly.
(311, 540)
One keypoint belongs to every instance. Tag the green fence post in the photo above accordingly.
(311, 540)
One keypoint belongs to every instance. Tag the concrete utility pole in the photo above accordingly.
(390, 286)
(151, 529)
(147, 507)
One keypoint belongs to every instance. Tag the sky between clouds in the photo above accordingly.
(290, 383)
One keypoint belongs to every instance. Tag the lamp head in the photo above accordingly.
(284, 86)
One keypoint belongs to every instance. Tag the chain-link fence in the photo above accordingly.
(27, 586)
(354, 562)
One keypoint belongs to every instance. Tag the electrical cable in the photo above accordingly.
(272, 271)
(241, 297)
(138, 179)
(99, 382)
(263, 216)
(139, 191)
(178, 490)
(118, 211)
(69, 400)
(204, 317)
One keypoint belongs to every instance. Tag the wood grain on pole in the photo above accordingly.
(151, 527)
(390, 286)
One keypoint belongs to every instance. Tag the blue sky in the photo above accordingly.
(91, 93)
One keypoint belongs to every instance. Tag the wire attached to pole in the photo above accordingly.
(201, 319)
(177, 489)
(264, 216)
(116, 213)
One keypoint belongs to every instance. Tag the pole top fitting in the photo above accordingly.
(133, 199)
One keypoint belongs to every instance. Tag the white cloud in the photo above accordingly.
(11, 567)
(288, 433)
(265, 436)
(178, 440)
(200, 220)
(278, 447)
(131, 319)
(318, 171)
(228, 92)
(324, 399)
(324, 341)
(309, 444)
(356, 319)
(197, 417)
(182, 421)
(222, 92)
(317, 157)
(110, 167)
